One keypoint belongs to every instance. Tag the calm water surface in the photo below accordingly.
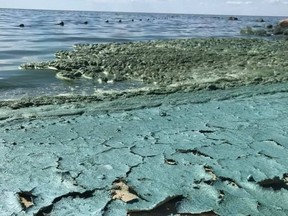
(41, 38)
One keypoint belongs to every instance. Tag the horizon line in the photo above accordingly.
(143, 12)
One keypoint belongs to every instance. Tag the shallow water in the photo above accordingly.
(41, 38)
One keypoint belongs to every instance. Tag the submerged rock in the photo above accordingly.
(254, 31)
(278, 30)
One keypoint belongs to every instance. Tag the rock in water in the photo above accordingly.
(283, 23)
(61, 23)
(255, 31)
(233, 18)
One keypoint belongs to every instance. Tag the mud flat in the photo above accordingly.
(208, 148)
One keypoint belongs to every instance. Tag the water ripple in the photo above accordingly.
(41, 37)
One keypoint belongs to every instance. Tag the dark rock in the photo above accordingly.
(86, 22)
(61, 23)
(21, 25)
(233, 18)
(269, 26)
(120, 21)
(107, 21)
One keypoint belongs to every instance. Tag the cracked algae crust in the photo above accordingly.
(219, 154)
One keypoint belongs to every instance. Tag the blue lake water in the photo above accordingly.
(41, 38)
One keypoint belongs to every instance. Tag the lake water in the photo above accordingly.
(41, 38)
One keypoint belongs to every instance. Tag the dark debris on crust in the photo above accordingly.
(275, 183)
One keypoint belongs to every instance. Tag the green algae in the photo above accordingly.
(179, 62)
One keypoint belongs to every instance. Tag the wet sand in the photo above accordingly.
(219, 152)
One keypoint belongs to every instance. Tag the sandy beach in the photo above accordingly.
(220, 152)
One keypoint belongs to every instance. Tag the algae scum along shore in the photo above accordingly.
(206, 136)
(197, 62)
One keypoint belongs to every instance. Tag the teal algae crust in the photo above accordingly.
(219, 62)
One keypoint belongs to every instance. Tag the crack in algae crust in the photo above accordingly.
(215, 61)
